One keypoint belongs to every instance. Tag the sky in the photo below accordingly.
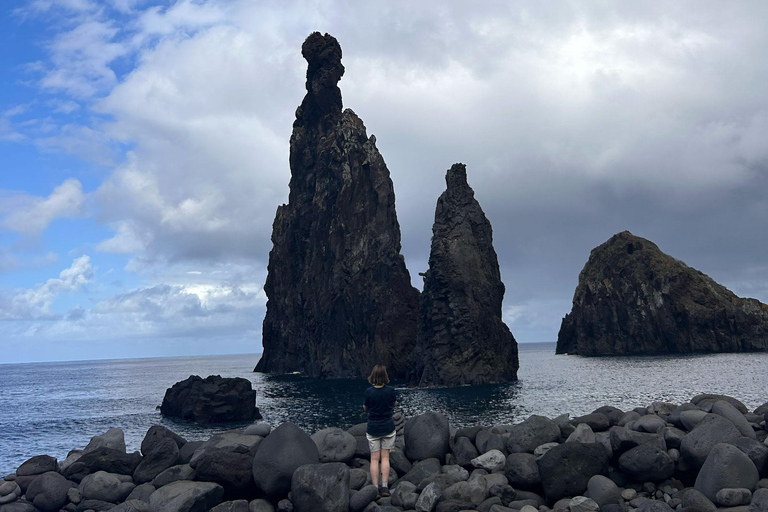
(144, 151)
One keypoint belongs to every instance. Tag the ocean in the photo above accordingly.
(52, 408)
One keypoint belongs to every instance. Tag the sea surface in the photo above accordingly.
(52, 408)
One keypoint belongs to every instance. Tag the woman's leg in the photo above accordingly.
(375, 467)
(384, 467)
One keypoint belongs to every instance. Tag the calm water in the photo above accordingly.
(52, 408)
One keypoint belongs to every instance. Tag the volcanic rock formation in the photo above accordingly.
(340, 296)
(634, 299)
(462, 338)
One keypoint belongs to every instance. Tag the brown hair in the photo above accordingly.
(378, 376)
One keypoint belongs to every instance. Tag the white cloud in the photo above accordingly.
(35, 303)
(31, 215)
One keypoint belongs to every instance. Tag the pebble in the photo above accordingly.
(629, 494)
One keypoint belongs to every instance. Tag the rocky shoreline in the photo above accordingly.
(704, 455)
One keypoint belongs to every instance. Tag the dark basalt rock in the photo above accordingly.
(634, 299)
(340, 296)
(462, 338)
(211, 400)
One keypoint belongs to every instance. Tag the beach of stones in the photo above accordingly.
(704, 455)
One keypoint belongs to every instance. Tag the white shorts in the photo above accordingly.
(378, 443)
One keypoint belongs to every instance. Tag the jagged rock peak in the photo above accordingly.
(324, 70)
(340, 298)
(462, 338)
(634, 299)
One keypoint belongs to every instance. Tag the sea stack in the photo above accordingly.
(340, 298)
(462, 338)
(634, 299)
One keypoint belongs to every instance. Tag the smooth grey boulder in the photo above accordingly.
(278, 456)
(690, 498)
(142, 492)
(729, 412)
(103, 486)
(583, 504)
(186, 496)
(428, 498)
(18, 506)
(427, 436)
(733, 497)
(261, 505)
(187, 451)
(492, 460)
(712, 430)
(534, 431)
(706, 400)
(566, 469)
(260, 429)
(603, 490)
(648, 423)
(38, 465)
(691, 418)
(230, 441)
(400, 491)
(114, 438)
(597, 421)
(155, 434)
(321, 488)
(399, 462)
(756, 451)
(726, 467)
(233, 471)
(334, 445)
(464, 451)
(487, 440)
(468, 432)
(48, 492)
(522, 471)
(647, 463)
(232, 506)
(623, 439)
(654, 506)
(162, 454)
(174, 474)
(362, 498)
(674, 416)
(423, 469)
(672, 436)
(612, 413)
(582, 434)
(759, 500)
(627, 418)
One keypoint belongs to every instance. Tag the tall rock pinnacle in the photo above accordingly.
(340, 298)
(462, 338)
(634, 299)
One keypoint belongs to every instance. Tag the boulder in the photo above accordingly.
(48, 492)
(362, 498)
(173, 474)
(712, 430)
(729, 412)
(733, 497)
(230, 442)
(566, 469)
(462, 337)
(647, 463)
(232, 506)
(759, 501)
(278, 456)
(534, 431)
(157, 433)
(648, 423)
(426, 436)
(428, 498)
(131, 506)
(233, 471)
(260, 429)
(726, 467)
(756, 451)
(582, 434)
(596, 421)
(142, 492)
(692, 499)
(487, 440)
(623, 439)
(490, 461)
(634, 299)
(654, 506)
(464, 451)
(211, 400)
(186, 496)
(583, 504)
(103, 486)
(321, 488)
(162, 454)
(522, 471)
(674, 416)
(260, 505)
(603, 490)
(705, 401)
(612, 413)
(691, 418)
(114, 438)
(334, 445)
(338, 242)
(421, 470)
(38, 465)
(103, 459)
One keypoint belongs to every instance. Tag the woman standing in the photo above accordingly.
(380, 401)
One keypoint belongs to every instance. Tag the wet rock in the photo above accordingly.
(634, 299)
(321, 488)
(279, 455)
(726, 467)
(340, 298)
(462, 337)
(211, 400)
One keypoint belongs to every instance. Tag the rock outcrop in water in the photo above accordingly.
(340, 296)
(214, 399)
(634, 299)
(462, 338)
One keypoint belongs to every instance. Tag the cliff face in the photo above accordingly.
(634, 299)
(339, 295)
(462, 338)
